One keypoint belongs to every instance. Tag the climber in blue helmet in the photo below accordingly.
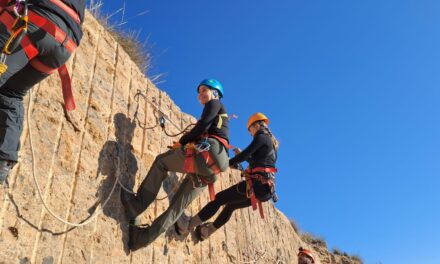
(213, 84)
(201, 153)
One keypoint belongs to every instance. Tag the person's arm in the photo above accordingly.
(256, 143)
(210, 111)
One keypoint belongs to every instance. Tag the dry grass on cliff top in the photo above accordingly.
(128, 39)
(352, 258)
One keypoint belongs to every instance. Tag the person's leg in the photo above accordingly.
(229, 195)
(233, 194)
(187, 192)
(171, 160)
(11, 109)
(205, 230)
(12, 115)
(226, 213)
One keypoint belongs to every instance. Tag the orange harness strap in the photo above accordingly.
(189, 163)
(189, 166)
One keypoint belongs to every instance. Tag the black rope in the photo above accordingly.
(186, 129)
(160, 120)
(136, 118)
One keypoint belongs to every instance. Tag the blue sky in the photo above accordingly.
(352, 91)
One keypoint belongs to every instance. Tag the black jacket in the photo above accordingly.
(77, 5)
(209, 123)
(260, 153)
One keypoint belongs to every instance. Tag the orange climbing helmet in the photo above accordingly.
(306, 253)
(257, 117)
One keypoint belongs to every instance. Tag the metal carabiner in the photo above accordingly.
(203, 145)
(20, 8)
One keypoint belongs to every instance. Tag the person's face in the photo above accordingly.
(304, 260)
(205, 94)
(253, 129)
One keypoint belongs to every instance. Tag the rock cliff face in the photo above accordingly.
(78, 156)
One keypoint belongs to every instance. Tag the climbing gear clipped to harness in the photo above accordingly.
(202, 147)
(257, 117)
(252, 174)
(18, 29)
(213, 84)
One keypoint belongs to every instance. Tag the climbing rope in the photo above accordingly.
(142, 124)
(186, 129)
(97, 212)
(160, 120)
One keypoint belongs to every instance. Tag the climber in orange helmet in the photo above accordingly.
(305, 256)
(261, 155)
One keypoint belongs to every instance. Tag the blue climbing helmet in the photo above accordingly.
(213, 84)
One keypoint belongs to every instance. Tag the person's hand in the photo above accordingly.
(175, 145)
(237, 151)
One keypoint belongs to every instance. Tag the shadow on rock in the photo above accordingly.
(116, 159)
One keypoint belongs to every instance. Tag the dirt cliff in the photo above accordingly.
(78, 156)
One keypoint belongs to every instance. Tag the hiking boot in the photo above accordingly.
(135, 234)
(182, 225)
(204, 231)
(5, 167)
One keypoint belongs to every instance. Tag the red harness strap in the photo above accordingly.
(72, 13)
(32, 52)
(189, 163)
(4, 3)
(53, 30)
(190, 167)
(261, 169)
(250, 177)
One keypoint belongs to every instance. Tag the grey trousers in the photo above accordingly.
(189, 189)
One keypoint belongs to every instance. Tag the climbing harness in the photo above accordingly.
(18, 28)
(202, 148)
(251, 175)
